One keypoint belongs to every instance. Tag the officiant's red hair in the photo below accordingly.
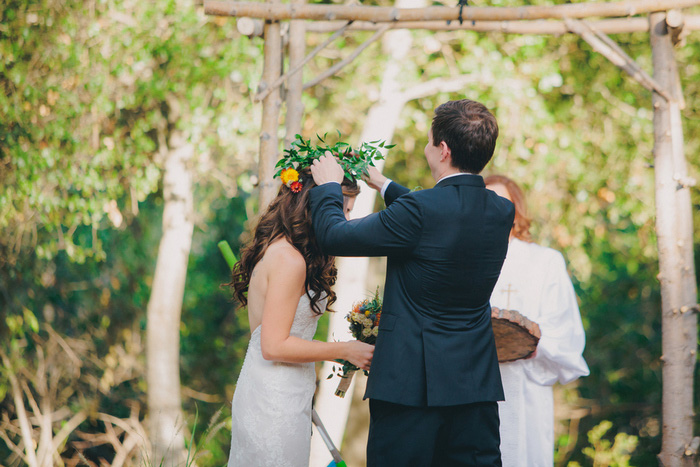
(521, 223)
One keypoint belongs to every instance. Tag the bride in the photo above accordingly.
(285, 281)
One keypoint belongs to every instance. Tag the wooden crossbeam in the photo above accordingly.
(280, 12)
(675, 23)
(542, 26)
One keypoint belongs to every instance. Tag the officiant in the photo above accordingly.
(534, 282)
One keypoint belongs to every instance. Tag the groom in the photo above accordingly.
(434, 381)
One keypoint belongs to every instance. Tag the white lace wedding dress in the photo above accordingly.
(271, 412)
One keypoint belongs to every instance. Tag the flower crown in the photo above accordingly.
(301, 154)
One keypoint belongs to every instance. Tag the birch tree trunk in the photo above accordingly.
(164, 308)
(351, 285)
(674, 230)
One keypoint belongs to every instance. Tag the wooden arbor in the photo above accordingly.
(674, 227)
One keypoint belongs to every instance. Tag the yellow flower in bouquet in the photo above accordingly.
(364, 326)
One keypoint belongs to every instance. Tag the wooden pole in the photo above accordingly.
(297, 50)
(674, 230)
(277, 11)
(269, 141)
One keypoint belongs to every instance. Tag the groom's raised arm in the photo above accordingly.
(394, 230)
(394, 191)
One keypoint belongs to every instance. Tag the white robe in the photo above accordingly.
(534, 281)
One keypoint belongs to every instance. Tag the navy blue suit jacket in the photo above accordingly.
(445, 247)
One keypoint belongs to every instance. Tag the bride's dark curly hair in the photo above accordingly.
(288, 216)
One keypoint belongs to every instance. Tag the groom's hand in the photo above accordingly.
(374, 178)
(326, 169)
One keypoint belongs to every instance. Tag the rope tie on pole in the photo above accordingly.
(461, 4)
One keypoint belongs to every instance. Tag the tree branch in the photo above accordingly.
(44, 451)
(30, 457)
(123, 424)
(67, 429)
(13, 447)
(7, 425)
(64, 345)
(32, 401)
(123, 454)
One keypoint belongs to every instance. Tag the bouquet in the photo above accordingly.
(364, 326)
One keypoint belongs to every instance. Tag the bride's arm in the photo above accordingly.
(285, 280)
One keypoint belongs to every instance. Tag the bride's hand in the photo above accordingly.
(360, 354)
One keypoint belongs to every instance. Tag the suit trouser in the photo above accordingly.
(462, 435)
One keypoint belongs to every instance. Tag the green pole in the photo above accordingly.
(227, 252)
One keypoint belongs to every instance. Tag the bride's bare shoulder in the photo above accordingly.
(281, 254)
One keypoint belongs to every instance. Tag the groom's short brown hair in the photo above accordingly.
(469, 130)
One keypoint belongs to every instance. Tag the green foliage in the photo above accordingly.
(98, 307)
(355, 162)
(604, 453)
(93, 94)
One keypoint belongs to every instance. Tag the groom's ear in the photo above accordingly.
(445, 151)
